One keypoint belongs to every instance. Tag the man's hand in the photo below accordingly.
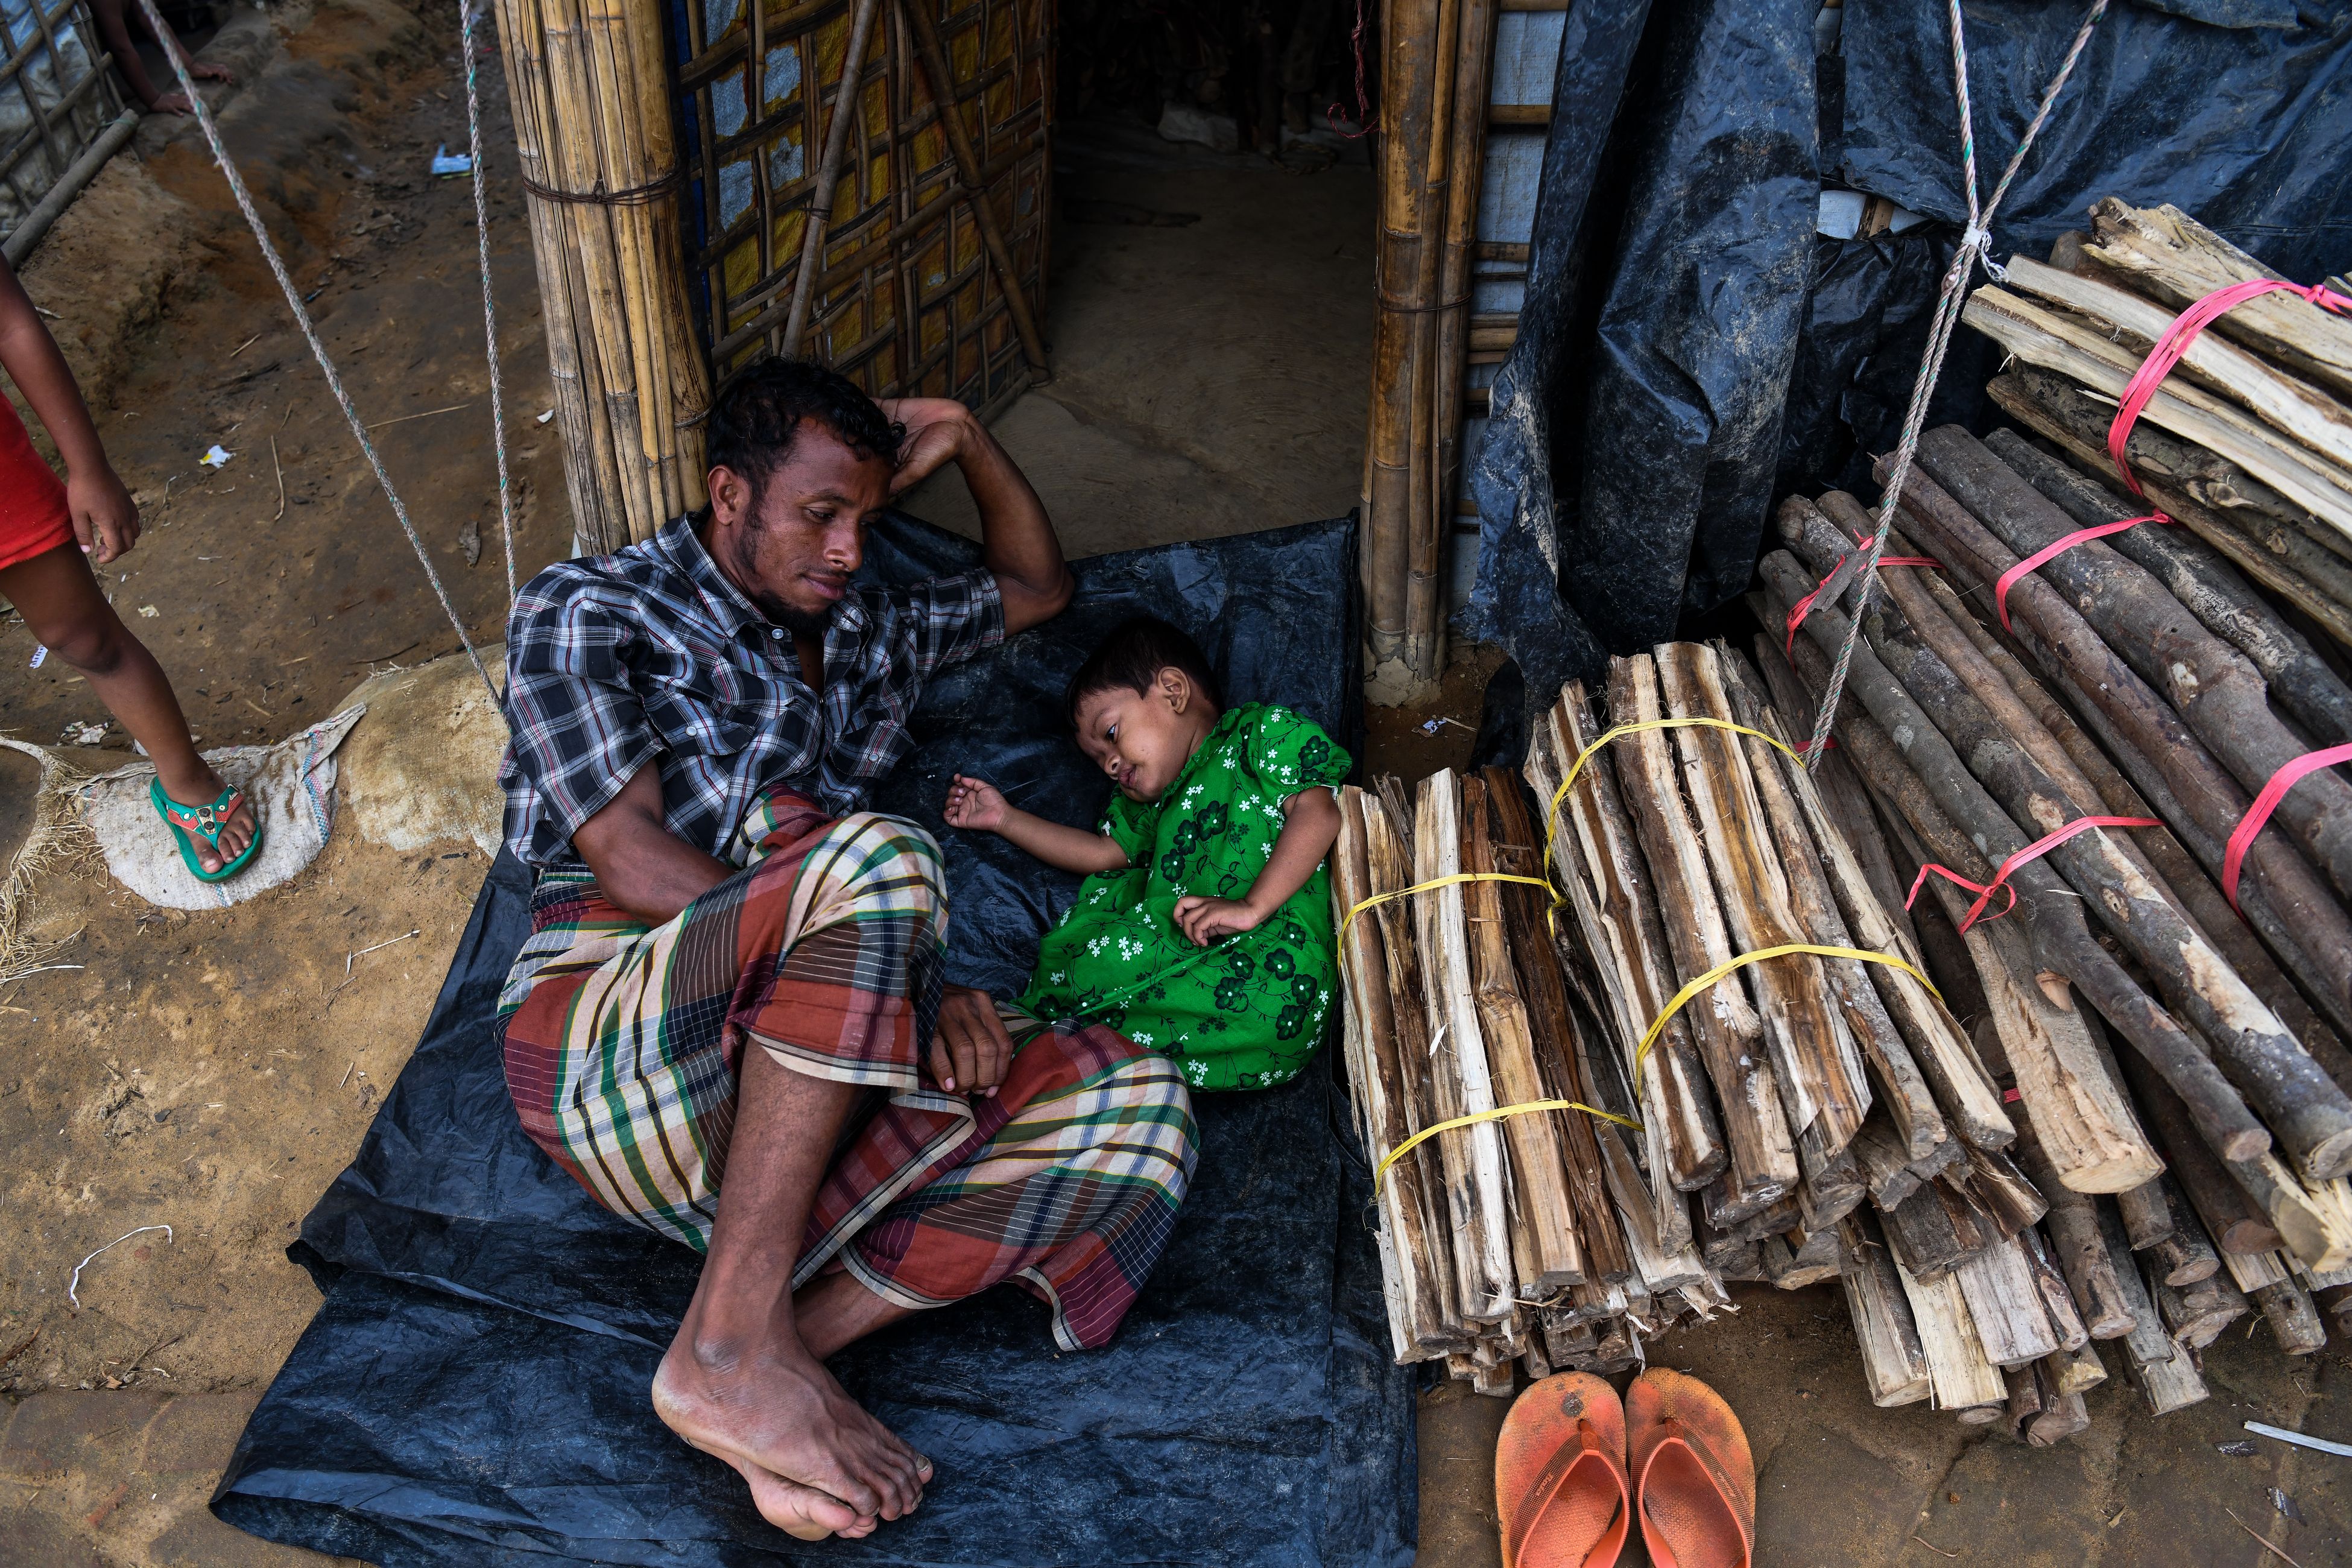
(105, 518)
(1205, 919)
(970, 1053)
(936, 427)
(977, 805)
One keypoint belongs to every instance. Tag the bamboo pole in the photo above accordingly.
(589, 86)
(1412, 61)
(846, 99)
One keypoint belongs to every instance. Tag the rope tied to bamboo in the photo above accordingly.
(629, 196)
(1975, 248)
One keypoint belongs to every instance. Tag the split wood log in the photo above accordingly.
(2290, 406)
(1803, 848)
(2005, 1303)
(2062, 342)
(1816, 1065)
(2220, 1203)
(2298, 557)
(1937, 1049)
(2184, 876)
(2147, 1214)
(1453, 1007)
(2075, 1244)
(1959, 1376)
(1618, 895)
(2166, 1375)
(2292, 1315)
(1832, 1185)
(2217, 691)
(2211, 493)
(1814, 1257)
(2178, 261)
(1842, 798)
(1879, 1152)
(2302, 1104)
(2065, 1415)
(2025, 1397)
(1894, 1364)
(2196, 1315)
(1539, 1174)
(2077, 1370)
(1432, 1096)
(1415, 1264)
(2186, 1255)
(2002, 1190)
(1929, 1233)
(2059, 934)
(1769, 1221)
(2207, 585)
(1517, 851)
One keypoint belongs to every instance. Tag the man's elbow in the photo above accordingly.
(1026, 606)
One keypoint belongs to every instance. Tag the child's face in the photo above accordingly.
(1143, 739)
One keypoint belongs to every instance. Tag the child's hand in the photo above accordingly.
(976, 804)
(1205, 919)
(105, 518)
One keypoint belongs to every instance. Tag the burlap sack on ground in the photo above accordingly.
(291, 784)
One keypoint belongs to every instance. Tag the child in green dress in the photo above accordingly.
(1204, 928)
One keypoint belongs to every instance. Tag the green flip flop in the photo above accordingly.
(206, 822)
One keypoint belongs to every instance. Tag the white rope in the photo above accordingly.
(1976, 245)
(302, 318)
(465, 18)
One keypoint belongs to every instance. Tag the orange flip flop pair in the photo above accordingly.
(1561, 1479)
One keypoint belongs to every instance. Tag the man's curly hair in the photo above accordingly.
(754, 421)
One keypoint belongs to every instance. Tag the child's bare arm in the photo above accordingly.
(973, 804)
(1310, 823)
(105, 518)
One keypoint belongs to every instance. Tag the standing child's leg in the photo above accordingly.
(61, 602)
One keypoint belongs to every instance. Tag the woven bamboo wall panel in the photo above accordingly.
(56, 98)
(907, 302)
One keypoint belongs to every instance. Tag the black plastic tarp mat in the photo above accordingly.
(473, 1390)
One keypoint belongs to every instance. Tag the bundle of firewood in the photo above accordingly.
(2197, 1165)
(2248, 443)
(1532, 1238)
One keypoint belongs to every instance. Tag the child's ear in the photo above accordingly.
(1176, 688)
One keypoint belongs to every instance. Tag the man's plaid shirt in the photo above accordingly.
(651, 652)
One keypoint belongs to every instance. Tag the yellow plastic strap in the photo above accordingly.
(1551, 816)
(1433, 884)
(1381, 1173)
(1861, 954)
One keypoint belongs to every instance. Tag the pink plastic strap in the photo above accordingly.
(1804, 606)
(2033, 851)
(2169, 348)
(2264, 804)
(2058, 547)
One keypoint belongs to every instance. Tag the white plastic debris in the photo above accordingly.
(444, 161)
(78, 735)
(216, 457)
(546, 416)
(40, 655)
(148, 612)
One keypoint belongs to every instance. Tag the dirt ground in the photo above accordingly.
(212, 1072)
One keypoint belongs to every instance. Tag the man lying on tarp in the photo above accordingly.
(698, 723)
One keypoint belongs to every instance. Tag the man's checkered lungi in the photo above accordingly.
(623, 1044)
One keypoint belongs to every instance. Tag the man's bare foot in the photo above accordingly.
(814, 1459)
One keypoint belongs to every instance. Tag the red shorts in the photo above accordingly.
(34, 518)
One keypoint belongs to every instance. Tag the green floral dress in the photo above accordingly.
(1246, 1012)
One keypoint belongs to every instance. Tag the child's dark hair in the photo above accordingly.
(1131, 658)
(753, 422)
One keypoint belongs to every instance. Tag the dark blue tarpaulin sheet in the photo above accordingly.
(1691, 350)
(473, 1389)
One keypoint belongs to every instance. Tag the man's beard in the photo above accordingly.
(809, 624)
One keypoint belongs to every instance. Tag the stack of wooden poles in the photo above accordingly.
(2179, 1057)
(1439, 60)
(2248, 444)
